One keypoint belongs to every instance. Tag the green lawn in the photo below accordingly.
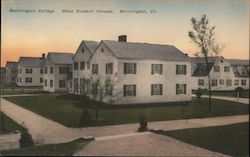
(22, 91)
(231, 139)
(67, 109)
(64, 149)
(8, 124)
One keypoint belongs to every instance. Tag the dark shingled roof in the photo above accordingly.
(60, 58)
(11, 64)
(130, 50)
(31, 62)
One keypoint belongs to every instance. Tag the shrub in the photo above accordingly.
(143, 124)
(199, 93)
(85, 119)
(26, 139)
(239, 90)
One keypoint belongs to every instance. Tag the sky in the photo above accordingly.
(31, 34)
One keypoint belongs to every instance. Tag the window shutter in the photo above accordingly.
(134, 68)
(152, 71)
(106, 68)
(161, 68)
(125, 68)
(185, 88)
(176, 89)
(152, 92)
(185, 69)
(161, 89)
(134, 90)
(124, 90)
(111, 68)
(177, 69)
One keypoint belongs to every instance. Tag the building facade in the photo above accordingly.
(57, 72)
(81, 65)
(141, 73)
(30, 71)
(224, 74)
(10, 72)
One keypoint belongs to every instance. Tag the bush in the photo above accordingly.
(2, 123)
(26, 139)
(239, 90)
(199, 93)
(143, 124)
(85, 119)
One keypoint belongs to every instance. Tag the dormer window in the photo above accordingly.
(221, 61)
(82, 50)
(102, 50)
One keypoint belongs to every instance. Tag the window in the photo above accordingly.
(62, 83)
(229, 82)
(41, 80)
(109, 89)
(51, 83)
(82, 65)
(129, 68)
(45, 83)
(109, 68)
(156, 69)
(216, 68)
(20, 79)
(82, 50)
(201, 82)
(181, 69)
(20, 70)
(181, 89)
(63, 70)
(51, 70)
(82, 85)
(46, 70)
(222, 82)
(129, 90)
(94, 68)
(28, 71)
(214, 82)
(102, 50)
(75, 65)
(41, 71)
(236, 82)
(243, 82)
(226, 68)
(28, 80)
(156, 89)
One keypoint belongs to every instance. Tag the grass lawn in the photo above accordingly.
(22, 91)
(231, 139)
(9, 125)
(67, 109)
(64, 149)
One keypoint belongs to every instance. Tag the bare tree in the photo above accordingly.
(203, 35)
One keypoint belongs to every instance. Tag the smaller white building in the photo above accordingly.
(223, 74)
(30, 71)
(81, 65)
(58, 72)
(10, 72)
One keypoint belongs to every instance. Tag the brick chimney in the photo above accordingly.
(43, 56)
(122, 38)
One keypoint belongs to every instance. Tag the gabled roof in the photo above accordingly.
(238, 62)
(31, 62)
(131, 50)
(60, 57)
(11, 64)
(201, 65)
(92, 45)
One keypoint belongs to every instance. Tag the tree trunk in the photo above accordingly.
(209, 85)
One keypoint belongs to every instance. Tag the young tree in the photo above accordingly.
(203, 35)
(143, 124)
(199, 94)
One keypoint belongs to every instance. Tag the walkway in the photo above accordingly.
(240, 100)
(143, 144)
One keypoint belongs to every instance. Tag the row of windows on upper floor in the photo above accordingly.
(214, 82)
(27, 80)
(29, 71)
(131, 68)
